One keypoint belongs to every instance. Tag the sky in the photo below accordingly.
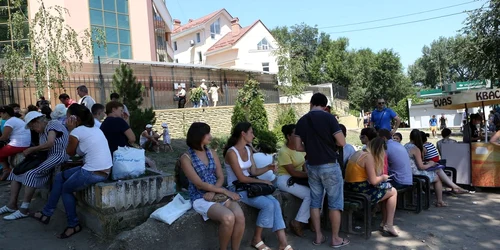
(407, 40)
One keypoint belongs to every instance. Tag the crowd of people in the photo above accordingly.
(47, 138)
(309, 167)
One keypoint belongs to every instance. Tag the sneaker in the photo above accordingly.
(5, 209)
(16, 215)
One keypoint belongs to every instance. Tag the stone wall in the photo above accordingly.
(219, 118)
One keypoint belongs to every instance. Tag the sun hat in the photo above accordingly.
(59, 111)
(30, 116)
(149, 126)
(164, 125)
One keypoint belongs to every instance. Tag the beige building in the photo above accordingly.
(135, 29)
(218, 39)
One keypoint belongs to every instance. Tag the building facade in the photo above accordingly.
(138, 29)
(218, 39)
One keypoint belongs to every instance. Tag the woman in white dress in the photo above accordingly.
(214, 91)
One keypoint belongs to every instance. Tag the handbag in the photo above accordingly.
(254, 189)
(31, 161)
(176, 98)
(300, 181)
(219, 198)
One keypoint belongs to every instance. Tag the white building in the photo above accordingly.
(420, 114)
(219, 40)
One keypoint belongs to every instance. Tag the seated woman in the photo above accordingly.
(364, 175)
(239, 166)
(59, 113)
(445, 133)
(291, 163)
(204, 172)
(17, 137)
(53, 140)
(149, 139)
(431, 154)
(87, 141)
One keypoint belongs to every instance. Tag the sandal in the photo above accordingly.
(441, 204)
(392, 233)
(344, 243)
(322, 241)
(42, 217)
(259, 245)
(76, 230)
(460, 191)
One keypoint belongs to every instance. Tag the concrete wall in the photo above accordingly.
(219, 118)
(142, 30)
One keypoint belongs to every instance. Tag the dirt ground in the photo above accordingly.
(471, 222)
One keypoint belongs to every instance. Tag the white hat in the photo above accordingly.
(202, 80)
(164, 125)
(149, 126)
(30, 116)
(59, 111)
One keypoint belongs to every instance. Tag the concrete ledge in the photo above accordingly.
(191, 232)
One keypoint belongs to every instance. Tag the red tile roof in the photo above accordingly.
(229, 39)
(197, 22)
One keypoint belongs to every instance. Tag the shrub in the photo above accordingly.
(285, 116)
(267, 137)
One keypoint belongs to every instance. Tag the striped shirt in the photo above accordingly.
(431, 151)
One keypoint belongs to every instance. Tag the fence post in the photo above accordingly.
(151, 87)
(101, 81)
(226, 89)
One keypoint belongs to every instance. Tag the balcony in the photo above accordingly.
(161, 7)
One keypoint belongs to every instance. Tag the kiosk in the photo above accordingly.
(477, 163)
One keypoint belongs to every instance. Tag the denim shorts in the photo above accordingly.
(326, 177)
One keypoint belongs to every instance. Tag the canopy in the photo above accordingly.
(470, 99)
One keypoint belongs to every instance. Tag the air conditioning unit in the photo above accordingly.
(192, 43)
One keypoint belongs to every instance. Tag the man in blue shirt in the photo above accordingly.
(382, 117)
(433, 123)
(399, 162)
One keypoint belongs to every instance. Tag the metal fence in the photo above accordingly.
(330, 90)
(158, 80)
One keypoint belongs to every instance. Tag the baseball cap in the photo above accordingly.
(30, 116)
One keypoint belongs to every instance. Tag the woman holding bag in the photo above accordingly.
(204, 172)
(291, 164)
(240, 166)
(87, 141)
(53, 143)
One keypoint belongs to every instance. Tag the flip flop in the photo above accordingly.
(343, 244)
(256, 246)
(460, 191)
(322, 241)
(441, 204)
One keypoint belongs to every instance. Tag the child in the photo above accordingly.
(166, 138)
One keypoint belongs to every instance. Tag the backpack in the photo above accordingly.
(181, 181)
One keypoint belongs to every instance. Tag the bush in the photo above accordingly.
(285, 116)
(267, 137)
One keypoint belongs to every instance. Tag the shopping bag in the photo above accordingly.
(128, 163)
(172, 211)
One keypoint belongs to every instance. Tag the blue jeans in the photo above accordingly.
(270, 215)
(67, 182)
(326, 177)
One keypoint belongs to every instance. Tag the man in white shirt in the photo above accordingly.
(182, 96)
(85, 100)
(126, 113)
(204, 98)
(98, 113)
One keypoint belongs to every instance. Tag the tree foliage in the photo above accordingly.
(401, 108)
(126, 85)
(308, 57)
(286, 115)
(249, 107)
(45, 49)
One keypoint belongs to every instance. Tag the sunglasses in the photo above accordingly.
(381, 103)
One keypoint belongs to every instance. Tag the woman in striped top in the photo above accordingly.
(430, 151)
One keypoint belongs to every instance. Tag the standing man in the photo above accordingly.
(182, 96)
(433, 122)
(319, 135)
(204, 97)
(66, 100)
(382, 116)
(442, 122)
(126, 114)
(85, 100)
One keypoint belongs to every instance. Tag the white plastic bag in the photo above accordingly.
(262, 160)
(128, 162)
(173, 210)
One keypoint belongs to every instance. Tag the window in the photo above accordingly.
(200, 57)
(19, 41)
(198, 38)
(175, 46)
(215, 28)
(112, 17)
(159, 41)
(263, 45)
(265, 66)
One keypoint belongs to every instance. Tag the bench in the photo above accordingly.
(354, 202)
(411, 198)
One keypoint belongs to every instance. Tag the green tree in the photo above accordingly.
(286, 115)
(249, 107)
(126, 85)
(401, 108)
(482, 26)
(45, 48)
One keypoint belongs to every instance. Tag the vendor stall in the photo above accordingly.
(477, 163)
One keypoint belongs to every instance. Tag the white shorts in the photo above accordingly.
(202, 206)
